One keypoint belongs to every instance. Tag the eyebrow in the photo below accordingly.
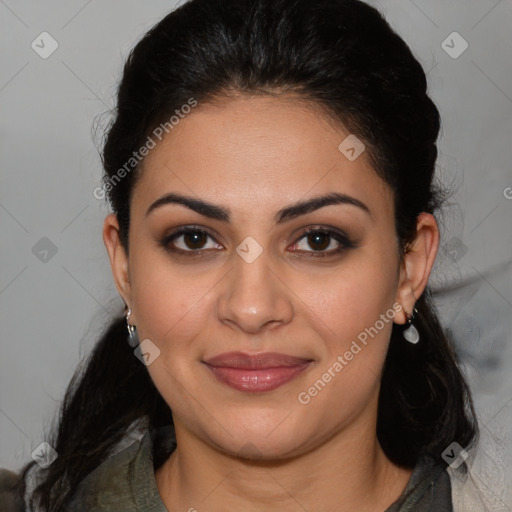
(290, 212)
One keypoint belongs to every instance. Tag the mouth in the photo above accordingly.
(256, 373)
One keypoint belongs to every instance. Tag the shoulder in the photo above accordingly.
(109, 481)
(8, 497)
(125, 481)
(486, 485)
(429, 488)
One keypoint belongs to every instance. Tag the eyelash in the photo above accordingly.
(340, 237)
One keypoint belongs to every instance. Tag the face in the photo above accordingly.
(272, 319)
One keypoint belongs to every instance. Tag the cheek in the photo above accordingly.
(346, 310)
(171, 312)
(352, 298)
(356, 341)
(169, 303)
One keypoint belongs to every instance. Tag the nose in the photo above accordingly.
(253, 296)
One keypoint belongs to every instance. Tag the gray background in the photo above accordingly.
(53, 306)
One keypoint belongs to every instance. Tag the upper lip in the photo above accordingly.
(255, 361)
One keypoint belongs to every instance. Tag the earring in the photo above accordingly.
(133, 337)
(410, 332)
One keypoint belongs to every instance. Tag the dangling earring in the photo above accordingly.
(410, 332)
(133, 337)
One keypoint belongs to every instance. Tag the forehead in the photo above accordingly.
(251, 150)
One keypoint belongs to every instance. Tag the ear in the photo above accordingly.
(118, 257)
(417, 264)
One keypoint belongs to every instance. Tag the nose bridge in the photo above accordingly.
(251, 270)
(253, 295)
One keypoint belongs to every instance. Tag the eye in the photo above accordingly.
(195, 241)
(189, 240)
(324, 242)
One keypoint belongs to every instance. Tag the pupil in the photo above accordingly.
(195, 238)
(321, 240)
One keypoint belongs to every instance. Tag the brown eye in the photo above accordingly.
(195, 239)
(323, 242)
(318, 240)
(189, 241)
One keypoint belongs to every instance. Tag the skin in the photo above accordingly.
(255, 155)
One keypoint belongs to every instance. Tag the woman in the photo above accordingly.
(270, 170)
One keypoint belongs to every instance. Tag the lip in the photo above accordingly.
(256, 373)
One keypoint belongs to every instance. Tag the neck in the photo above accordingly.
(348, 472)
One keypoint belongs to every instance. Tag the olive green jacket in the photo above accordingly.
(126, 482)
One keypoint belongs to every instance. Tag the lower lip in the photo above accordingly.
(257, 380)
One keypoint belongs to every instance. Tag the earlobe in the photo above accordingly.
(417, 264)
(117, 255)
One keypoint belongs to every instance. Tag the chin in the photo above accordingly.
(277, 442)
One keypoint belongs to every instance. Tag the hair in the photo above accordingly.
(343, 56)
